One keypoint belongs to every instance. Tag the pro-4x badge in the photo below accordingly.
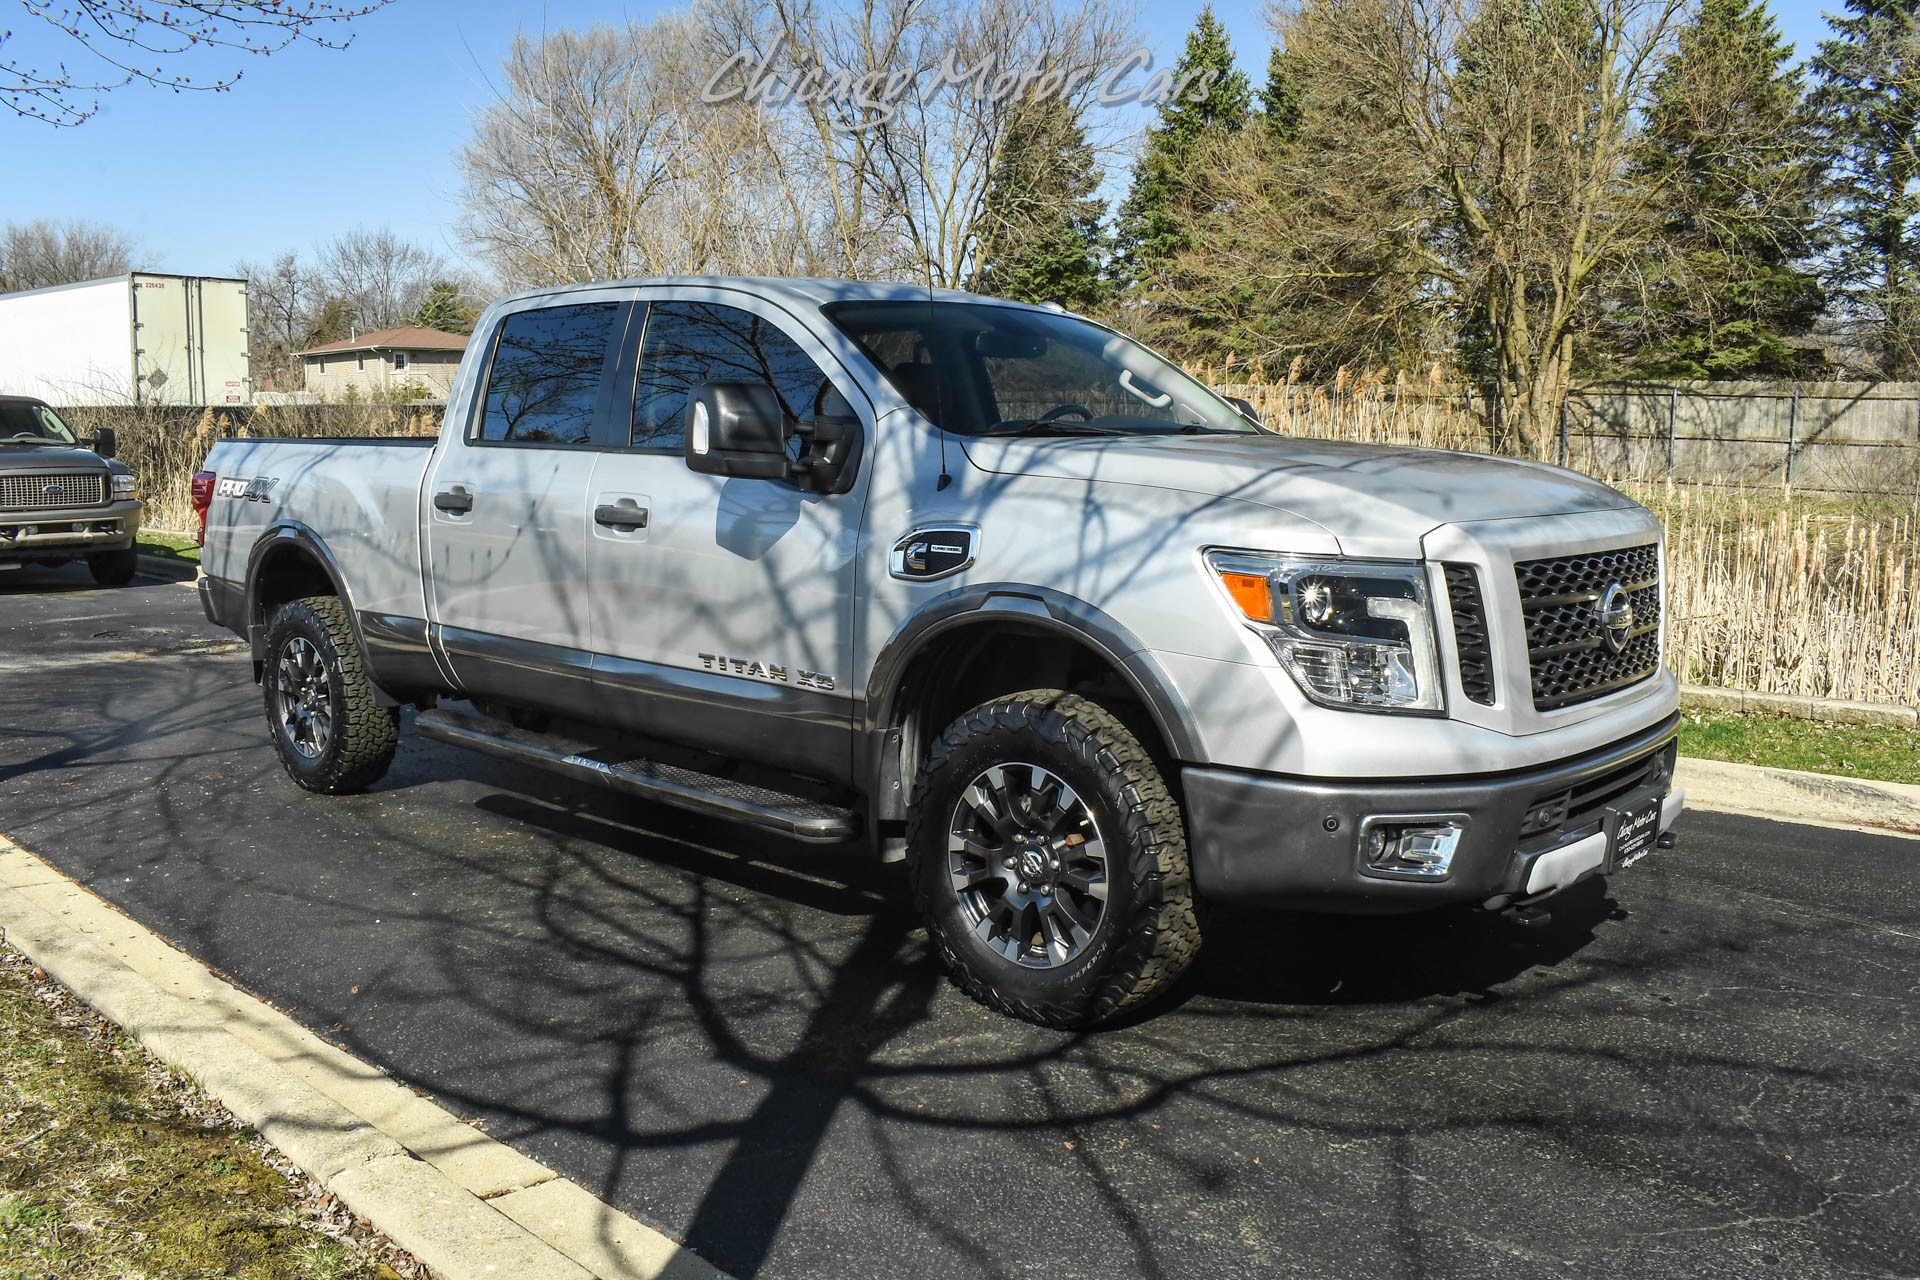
(934, 551)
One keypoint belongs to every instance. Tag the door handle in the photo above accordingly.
(620, 515)
(456, 501)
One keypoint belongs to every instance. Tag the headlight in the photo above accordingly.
(1352, 633)
(126, 485)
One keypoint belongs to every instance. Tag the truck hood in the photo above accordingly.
(15, 457)
(1374, 499)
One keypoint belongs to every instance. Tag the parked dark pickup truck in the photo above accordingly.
(63, 498)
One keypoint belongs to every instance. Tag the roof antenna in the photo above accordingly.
(939, 396)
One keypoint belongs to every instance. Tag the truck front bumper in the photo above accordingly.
(65, 533)
(1516, 837)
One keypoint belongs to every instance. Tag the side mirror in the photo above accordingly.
(1246, 409)
(106, 442)
(832, 456)
(738, 429)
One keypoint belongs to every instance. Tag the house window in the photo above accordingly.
(360, 362)
(320, 366)
(399, 362)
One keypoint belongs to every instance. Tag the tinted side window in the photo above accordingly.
(688, 343)
(547, 368)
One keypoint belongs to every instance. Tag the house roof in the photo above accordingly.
(405, 338)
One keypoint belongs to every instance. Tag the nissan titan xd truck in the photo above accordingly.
(989, 589)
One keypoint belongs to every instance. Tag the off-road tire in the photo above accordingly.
(113, 568)
(363, 734)
(1149, 931)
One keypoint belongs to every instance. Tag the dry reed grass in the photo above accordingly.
(1373, 406)
(1791, 595)
(165, 448)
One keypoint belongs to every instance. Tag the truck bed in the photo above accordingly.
(361, 496)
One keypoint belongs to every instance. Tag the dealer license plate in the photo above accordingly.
(1635, 831)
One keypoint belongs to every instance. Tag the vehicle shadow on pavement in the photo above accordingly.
(1274, 957)
(835, 1028)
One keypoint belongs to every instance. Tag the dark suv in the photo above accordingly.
(63, 498)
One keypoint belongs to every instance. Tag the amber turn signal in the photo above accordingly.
(1251, 592)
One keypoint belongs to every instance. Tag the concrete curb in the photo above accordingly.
(468, 1207)
(167, 567)
(1835, 710)
(1817, 799)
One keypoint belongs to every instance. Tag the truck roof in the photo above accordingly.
(799, 290)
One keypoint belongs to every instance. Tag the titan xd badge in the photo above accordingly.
(754, 669)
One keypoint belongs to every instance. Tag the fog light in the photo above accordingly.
(1416, 848)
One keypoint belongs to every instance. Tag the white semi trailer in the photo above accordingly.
(144, 337)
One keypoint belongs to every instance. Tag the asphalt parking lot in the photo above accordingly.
(1706, 1067)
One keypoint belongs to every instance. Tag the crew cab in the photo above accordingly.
(989, 588)
(63, 498)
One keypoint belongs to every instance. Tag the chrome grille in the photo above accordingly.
(70, 489)
(1566, 647)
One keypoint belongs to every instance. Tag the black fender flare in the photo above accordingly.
(275, 539)
(1041, 607)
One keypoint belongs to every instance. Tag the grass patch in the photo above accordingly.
(1883, 753)
(111, 1166)
(167, 546)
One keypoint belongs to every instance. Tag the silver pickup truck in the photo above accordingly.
(989, 587)
(64, 498)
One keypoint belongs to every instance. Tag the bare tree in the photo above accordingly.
(1523, 115)
(906, 176)
(767, 135)
(381, 276)
(34, 255)
(156, 42)
(598, 161)
(561, 163)
(282, 302)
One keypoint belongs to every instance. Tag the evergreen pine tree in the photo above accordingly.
(1041, 239)
(1153, 221)
(443, 309)
(1867, 101)
(1280, 96)
(1727, 149)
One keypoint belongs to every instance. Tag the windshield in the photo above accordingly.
(30, 422)
(1008, 371)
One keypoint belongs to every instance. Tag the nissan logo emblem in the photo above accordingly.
(1615, 612)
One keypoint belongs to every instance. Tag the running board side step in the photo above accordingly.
(795, 816)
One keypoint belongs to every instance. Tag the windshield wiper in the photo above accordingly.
(1048, 427)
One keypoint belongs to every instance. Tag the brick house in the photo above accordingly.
(385, 361)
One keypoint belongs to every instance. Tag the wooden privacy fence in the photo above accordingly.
(1818, 437)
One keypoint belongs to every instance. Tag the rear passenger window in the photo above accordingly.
(547, 371)
(688, 343)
